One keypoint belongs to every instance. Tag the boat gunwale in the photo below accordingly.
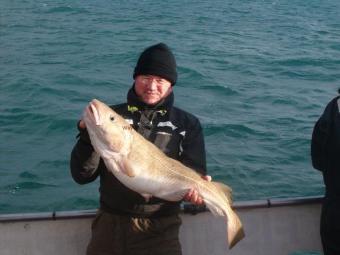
(81, 214)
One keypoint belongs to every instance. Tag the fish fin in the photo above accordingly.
(175, 195)
(227, 191)
(215, 210)
(112, 166)
(128, 168)
(121, 165)
(234, 229)
(147, 197)
(224, 191)
(234, 225)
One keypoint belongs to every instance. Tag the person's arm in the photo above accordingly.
(84, 160)
(193, 149)
(193, 155)
(322, 134)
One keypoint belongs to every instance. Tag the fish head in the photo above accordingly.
(109, 132)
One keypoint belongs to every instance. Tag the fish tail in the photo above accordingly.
(223, 208)
(234, 229)
(226, 191)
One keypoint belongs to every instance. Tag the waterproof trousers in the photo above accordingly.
(330, 226)
(123, 235)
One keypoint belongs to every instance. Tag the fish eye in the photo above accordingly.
(112, 118)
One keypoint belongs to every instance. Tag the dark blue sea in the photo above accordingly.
(257, 73)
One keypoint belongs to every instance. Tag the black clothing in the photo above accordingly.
(330, 226)
(325, 152)
(122, 235)
(177, 133)
(325, 147)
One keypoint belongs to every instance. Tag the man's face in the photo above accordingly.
(151, 89)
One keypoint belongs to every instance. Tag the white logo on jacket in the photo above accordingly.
(167, 124)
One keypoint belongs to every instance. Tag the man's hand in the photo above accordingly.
(83, 134)
(81, 124)
(193, 197)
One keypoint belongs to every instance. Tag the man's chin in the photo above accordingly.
(151, 101)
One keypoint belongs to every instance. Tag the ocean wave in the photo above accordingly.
(26, 186)
(218, 89)
(232, 130)
(66, 9)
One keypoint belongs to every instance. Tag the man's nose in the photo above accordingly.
(152, 84)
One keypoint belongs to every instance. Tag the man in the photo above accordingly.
(126, 223)
(325, 150)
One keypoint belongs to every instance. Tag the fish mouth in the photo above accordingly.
(92, 112)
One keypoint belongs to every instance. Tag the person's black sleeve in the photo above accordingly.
(321, 136)
(319, 144)
(193, 149)
(84, 160)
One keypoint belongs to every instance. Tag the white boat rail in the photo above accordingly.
(287, 226)
(186, 208)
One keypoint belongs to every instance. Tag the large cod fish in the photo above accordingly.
(142, 167)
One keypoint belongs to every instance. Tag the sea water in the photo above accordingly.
(257, 73)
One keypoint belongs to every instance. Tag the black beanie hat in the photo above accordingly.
(157, 60)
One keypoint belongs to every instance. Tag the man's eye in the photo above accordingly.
(160, 81)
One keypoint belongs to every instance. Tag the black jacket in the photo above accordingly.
(325, 147)
(177, 133)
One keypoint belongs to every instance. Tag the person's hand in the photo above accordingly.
(193, 197)
(83, 134)
(81, 124)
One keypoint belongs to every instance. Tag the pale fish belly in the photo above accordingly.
(141, 182)
(145, 184)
